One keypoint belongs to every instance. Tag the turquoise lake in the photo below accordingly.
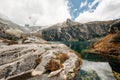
(80, 46)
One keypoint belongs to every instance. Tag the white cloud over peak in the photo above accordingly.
(106, 10)
(37, 12)
(83, 4)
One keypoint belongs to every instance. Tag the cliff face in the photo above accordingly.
(74, 31)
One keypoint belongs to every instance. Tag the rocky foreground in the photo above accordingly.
(49, 60)
(24, 57)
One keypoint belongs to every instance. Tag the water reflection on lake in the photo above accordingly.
(80, 47)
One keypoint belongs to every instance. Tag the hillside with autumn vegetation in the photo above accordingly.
(109, 47)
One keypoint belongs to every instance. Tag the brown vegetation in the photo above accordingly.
(53, 65)
(107, 47)
(8, 42)
(77, 65)
(62, 57)
(38, 61)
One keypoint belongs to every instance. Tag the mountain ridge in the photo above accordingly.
(70, 31)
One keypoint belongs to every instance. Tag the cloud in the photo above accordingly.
(83, 4)
(37, 12)
(94, 3)
(75, 10)
(106, 10)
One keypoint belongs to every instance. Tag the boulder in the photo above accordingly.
(48, 61)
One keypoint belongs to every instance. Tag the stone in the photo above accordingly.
(48, 60)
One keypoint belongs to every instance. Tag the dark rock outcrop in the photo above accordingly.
(74, 31)
(115, 27)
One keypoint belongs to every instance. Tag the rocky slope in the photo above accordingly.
(10, 27)
(10, 31)
(36, 29)
(110, 44)
(74, 31)
(109, 47)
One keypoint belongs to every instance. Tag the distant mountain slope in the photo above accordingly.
(10, 30)
(75, 31)
(9, 24)
(35, 29)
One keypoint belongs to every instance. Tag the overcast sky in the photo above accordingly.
(49, 12)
